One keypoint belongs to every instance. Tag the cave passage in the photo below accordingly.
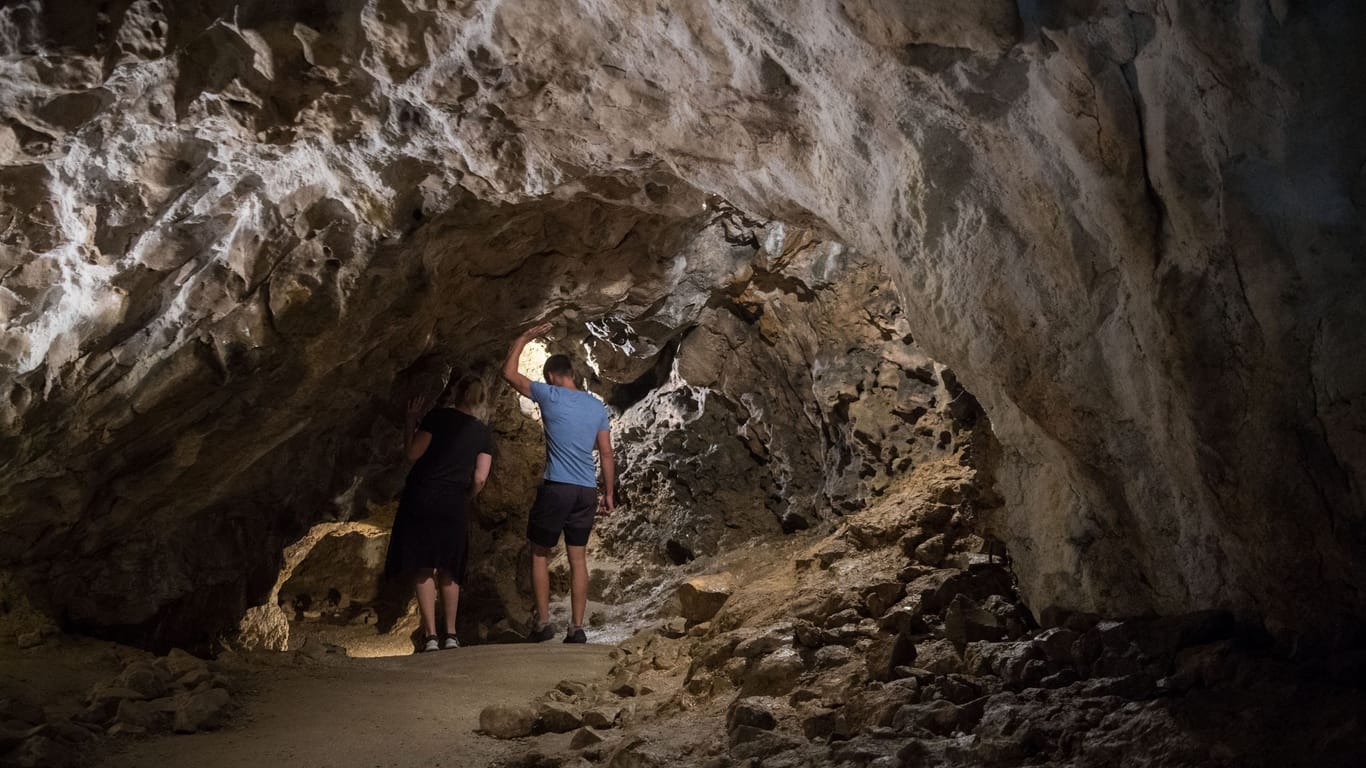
(802, 251)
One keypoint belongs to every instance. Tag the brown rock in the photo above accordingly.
(503, 721)
(702, 596)
(201, 711)
(585, 737)
(888, 653)
(938, 656)
(601, 717)
(773, 675)
(558, 718)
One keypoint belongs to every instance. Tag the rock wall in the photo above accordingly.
(1132, 229)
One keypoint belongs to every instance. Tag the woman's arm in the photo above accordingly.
(482, 462)
(415, 441)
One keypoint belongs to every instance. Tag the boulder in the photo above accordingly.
(938, 656)
(966, 622)
(756, 712)
(507, 721)
(702, 596)
(558, 718)
(202, 711)
(887, 653)
(773, 675)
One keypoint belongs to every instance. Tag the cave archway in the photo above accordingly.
(1086, 235)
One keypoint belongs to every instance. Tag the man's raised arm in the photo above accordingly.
(513, 376)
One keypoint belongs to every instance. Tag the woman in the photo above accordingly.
(452, 452)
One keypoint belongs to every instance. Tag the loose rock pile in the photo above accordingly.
(900, 640)
(177, 693)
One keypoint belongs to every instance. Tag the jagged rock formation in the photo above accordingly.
(232, 231)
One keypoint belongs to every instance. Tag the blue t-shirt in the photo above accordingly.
(572, 420)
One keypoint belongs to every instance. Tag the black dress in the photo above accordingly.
(429, 529)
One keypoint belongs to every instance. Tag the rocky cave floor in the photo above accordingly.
(890, 638)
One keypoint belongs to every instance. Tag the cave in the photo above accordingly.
(986, 378)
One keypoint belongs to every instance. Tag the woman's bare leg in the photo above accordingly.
(450, 600)
(426, 600)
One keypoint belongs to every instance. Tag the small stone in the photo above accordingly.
(202, 711)
(178, 663)
(67, 731)
(125, 729)
(571, 687)
(194, 677)
(752, 711)
(763, 644)
(938, 716)
(145, 678)
(774, 675)
(819, 723)
(558, 718)
(748, 742)
(938, 656)
(600, 717)
(585, 737)
(931, 551)
(831, 656)
(141, 714)
(42, 751)
(889, 653)
(30, 639)
(1056, 644)
(702, 596)
(881, 596)
(503, 721)
(674, 628)
(841, 618)
(966, 622)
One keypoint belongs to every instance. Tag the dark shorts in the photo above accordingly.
(562, 507)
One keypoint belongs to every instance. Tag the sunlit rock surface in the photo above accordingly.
(238, 236)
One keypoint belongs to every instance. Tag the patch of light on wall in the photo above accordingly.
(588, 358)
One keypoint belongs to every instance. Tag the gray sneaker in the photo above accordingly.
(575, 635)
(431, 644)
(450, 642)
(541, 635)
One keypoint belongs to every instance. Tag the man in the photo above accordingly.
(575, 422)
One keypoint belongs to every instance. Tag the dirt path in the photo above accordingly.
(393, 712)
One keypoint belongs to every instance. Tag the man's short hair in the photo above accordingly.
(560, 365)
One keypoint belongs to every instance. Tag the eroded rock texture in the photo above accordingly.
(234, 233)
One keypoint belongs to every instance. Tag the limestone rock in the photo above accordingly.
(585, 737)
(702, 596)
(205, 710)
(503, 721)
(558, 718)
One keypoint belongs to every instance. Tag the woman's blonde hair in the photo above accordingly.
(466, 392)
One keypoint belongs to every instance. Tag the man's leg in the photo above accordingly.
(450, 600)
(578, 582)
(540, 580)
(426, 600)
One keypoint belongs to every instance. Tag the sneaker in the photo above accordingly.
(541, 635)
(575, 635)
(450, 642)
(431, 644)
